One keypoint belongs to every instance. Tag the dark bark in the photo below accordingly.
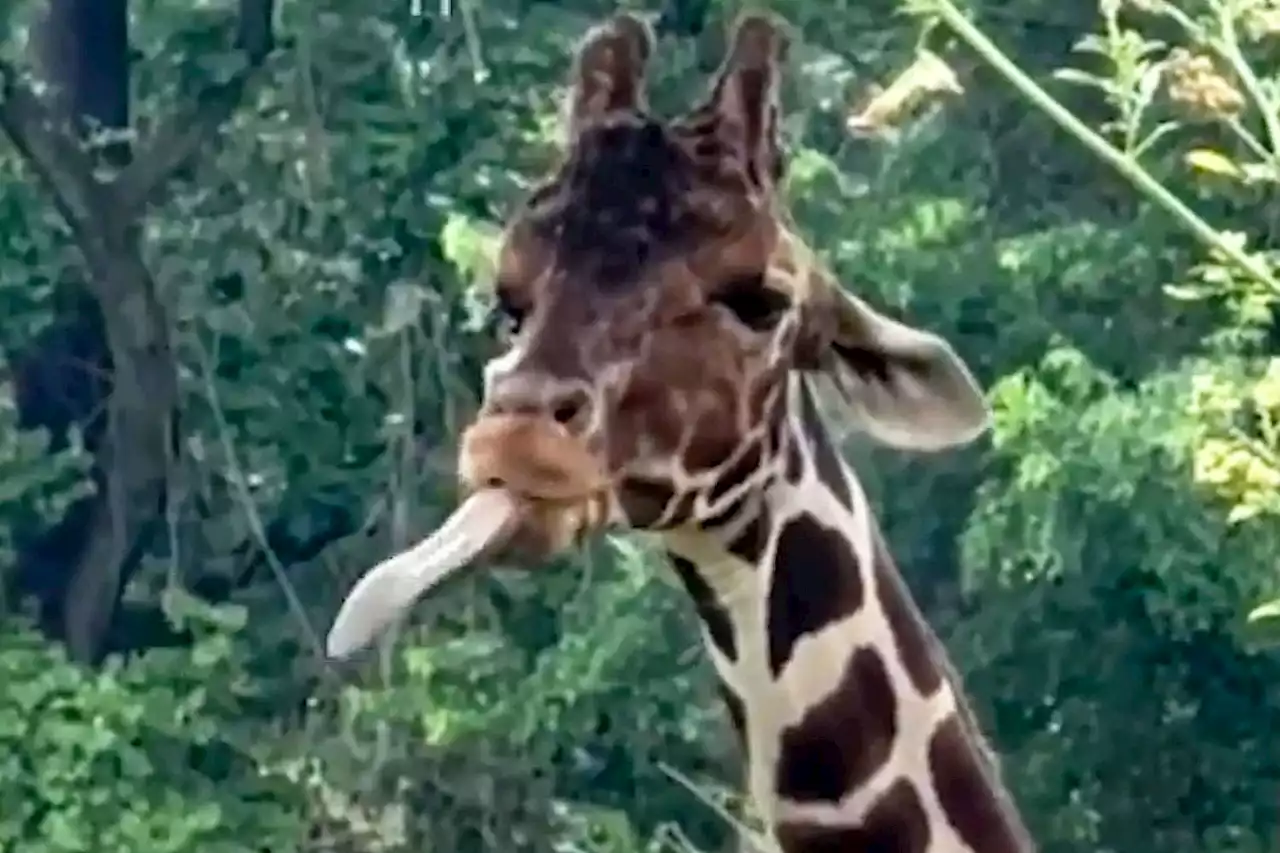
(63, 378)
(82, 51)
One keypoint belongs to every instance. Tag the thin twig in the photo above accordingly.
(254, 519)
(177, 141)
(757, 841)
(1230, 50)
(1133, 171)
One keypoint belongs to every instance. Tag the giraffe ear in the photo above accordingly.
(908, 388)
(608, 72)
(744, 94)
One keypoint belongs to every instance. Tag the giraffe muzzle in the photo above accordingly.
(534, 491)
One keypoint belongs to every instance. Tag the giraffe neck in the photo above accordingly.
(856, 731)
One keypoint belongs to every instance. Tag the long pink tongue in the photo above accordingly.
(385, 592)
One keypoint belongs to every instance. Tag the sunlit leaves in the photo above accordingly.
(470, 246)
(1237, 456)
(98, 761)
(1212, 162)
(1263, 624)
(1209, 76)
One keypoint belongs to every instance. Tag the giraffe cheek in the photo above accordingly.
(648, 424)
(715, 437)
(644, 502)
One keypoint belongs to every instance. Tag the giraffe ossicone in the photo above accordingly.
(667, 337)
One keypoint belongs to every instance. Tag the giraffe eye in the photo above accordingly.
(755, 306)
(508, 318)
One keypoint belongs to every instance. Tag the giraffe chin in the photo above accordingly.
(541, 494)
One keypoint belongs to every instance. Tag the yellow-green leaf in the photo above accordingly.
(1187, 292)
(1212, 162)
(1262, 625)
(1270, 611)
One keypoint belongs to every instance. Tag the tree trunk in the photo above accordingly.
(81, 50)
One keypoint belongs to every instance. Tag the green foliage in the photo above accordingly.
(36, 486)
(1215, 76)
(1090, 535)
(326, 267)
(1264, 622)
(152, 754)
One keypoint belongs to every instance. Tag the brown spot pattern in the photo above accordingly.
(727, 515)
(795, 459)
(646, 501)
(918, 648)
(897, 823)
(742, 467)
(620, 203)
(831, 469)
(750, 544)
(708, 606)
(683, 511)
(844, 739)
(654, 504)
(973, 803)
(737, 712)
(816, 581)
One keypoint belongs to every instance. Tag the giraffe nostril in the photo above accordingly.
(570, 408)
(566, 412)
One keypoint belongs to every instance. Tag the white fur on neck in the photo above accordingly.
(819, 659)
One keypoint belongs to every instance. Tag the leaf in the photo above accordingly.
(1269, 611)
(1077, 77)
(1148, 85)
(1187, 292)
(470, 245)
(1263, 624)
(1243, 512)
(1260, 173)
(1212, 162)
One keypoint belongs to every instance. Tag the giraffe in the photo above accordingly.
(666, 337)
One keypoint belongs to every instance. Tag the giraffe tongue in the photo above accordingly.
(485, 520)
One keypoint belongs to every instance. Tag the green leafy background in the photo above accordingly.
(1100, 568)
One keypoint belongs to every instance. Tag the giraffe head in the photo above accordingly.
(655, 301)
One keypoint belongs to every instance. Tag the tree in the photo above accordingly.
(77, 140)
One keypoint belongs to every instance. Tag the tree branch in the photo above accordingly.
(66, 170)
(179, 139)
(255, 36)
(54, 155)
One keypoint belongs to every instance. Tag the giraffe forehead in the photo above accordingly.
(632, 196)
